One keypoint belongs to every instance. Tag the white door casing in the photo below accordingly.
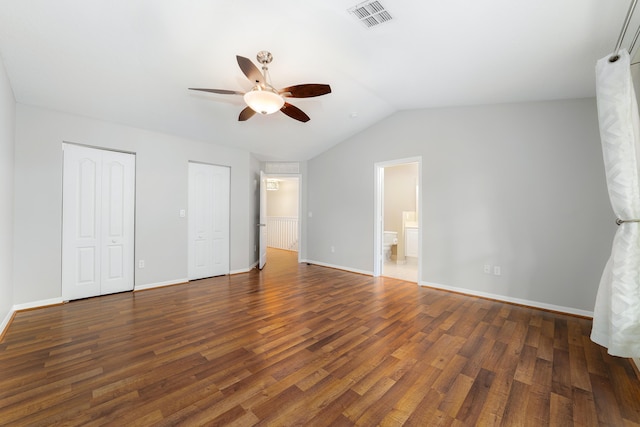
(208, 229)
(98, 222)
(262, 225)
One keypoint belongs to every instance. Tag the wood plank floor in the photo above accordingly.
(307, 345)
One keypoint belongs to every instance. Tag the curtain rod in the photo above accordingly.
(615, 57)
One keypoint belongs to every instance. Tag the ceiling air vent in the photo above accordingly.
(370, 13)
(282, 167)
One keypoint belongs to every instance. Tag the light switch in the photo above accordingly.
(183, 213)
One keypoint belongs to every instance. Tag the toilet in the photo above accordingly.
(389, 239)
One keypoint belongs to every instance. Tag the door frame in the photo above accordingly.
(378, 258)
(300, 216)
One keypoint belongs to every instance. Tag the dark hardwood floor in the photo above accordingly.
(307, 345)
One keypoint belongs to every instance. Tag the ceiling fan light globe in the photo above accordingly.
(264, 101)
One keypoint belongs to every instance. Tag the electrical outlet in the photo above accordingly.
(141, 263)
(333, 249)
(496, 270)
(487, 269)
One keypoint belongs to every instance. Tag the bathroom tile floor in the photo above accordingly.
(407, 271)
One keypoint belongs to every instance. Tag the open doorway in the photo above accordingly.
(283, 212)
(397, 234)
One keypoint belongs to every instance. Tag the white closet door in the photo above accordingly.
(98, 222)
(117, 241)
(221, 187)
(81, 204)
(208, 220)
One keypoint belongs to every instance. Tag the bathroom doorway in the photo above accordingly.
(397, 233)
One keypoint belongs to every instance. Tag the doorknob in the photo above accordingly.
(262, 225)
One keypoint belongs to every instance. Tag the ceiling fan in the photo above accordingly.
(263, 98)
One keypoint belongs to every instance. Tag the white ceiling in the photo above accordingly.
(131, 62)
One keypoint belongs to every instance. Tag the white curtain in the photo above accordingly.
(616, 320)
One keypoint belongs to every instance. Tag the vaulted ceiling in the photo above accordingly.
(131, 62)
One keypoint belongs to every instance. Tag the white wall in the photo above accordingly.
(520, 186)
(161, 191)
(7, 123)
(283, 202)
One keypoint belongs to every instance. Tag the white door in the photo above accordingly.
(208, 220)
(98, 222)
(262, 225)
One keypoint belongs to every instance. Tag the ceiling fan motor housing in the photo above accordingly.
(264, 57)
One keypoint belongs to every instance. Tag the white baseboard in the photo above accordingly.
(497, 297)
(244, 270)
(503, 298)
(38, 304)
(160, 284)
(339, 267)
(6, 320)
(27, 306)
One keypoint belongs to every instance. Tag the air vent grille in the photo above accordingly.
(370, 13)
(282, 167)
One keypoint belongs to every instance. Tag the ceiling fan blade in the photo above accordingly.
(250, 70)
(220, 91)
(246, 114)
(305, 90)
(295, 113)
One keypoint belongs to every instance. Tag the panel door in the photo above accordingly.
(208, 220)
(220, 231)
(98, 222)
(81, 206)
(117, 240)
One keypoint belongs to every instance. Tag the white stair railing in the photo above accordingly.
(282, 232)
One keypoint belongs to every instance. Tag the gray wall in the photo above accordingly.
(7, 123)
(161, 191)
(520, 186)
